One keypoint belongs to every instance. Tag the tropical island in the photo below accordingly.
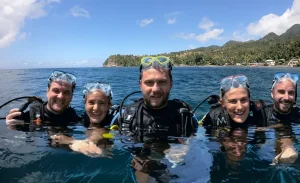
(272, 49)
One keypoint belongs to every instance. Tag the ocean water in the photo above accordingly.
(27, 156)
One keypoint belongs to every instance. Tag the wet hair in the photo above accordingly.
(51, 81)
(109, 97)
(223, 92)
(169, 73)
(274, 82)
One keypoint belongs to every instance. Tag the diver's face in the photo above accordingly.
(59, 96)
(235, 145)
(96, 106)
(155, 85)
(283, 95)
(236, 103)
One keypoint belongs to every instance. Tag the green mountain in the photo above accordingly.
(270, 37)
(292, 32)
(271, 46)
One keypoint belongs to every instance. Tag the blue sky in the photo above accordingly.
(84, 33)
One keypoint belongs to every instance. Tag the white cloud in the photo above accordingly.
(11, 64)
(76, 11)
(213, 34)
(172, 17)
(276, 23)
(145, 22)
(192, 46)
(239, 36)
(173, 14)
(188, 36)
(84, 63)
(206, 24)
(13, 14)
(171, 21)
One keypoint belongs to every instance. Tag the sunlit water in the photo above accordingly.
(27, 157)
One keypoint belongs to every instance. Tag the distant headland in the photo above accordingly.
(271, 50)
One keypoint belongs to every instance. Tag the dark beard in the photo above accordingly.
(162, 104)
(277, 108)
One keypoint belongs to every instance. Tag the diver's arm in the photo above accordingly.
(85, 147)
(288, 153)
(62, 139)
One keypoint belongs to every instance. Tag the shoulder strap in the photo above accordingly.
(178, 101)
(219, 117)
(188, 122)
(130, 114)
(37, 111)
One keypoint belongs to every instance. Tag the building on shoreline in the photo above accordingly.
(270, 62)
(255, 64)
(293, 63)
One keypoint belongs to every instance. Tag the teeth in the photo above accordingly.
(239, 113)
(96, 114)
(59, 102)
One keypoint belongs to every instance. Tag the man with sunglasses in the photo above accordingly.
(284, 95)
(56, 111)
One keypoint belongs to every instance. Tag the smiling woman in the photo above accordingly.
(97, 100)
(97, 104)
(234, 105)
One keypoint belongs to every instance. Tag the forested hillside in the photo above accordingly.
(280, 48)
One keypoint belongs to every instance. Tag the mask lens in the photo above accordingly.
(159, 61)
(279, 75)
(226, 83)
(147, 60)
(234, 82)
(104, 87)
(71, 77)
(59, 75)
(162, 59)
(293, 76)
(241, 79)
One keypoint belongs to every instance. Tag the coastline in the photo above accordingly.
(274, 66)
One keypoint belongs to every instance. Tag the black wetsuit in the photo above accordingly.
(153, 127)
(218, 121)
(145, 123)
(39, 110)
(218, 117)
(274, 117)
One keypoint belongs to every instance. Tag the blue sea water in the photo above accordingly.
(27, 157)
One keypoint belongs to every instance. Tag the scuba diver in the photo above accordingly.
(98, 101)
(154, 118)
(56, 111)
(284, 95)
(235, 109)
(227, 162)
(227, 122)
(281, 114)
